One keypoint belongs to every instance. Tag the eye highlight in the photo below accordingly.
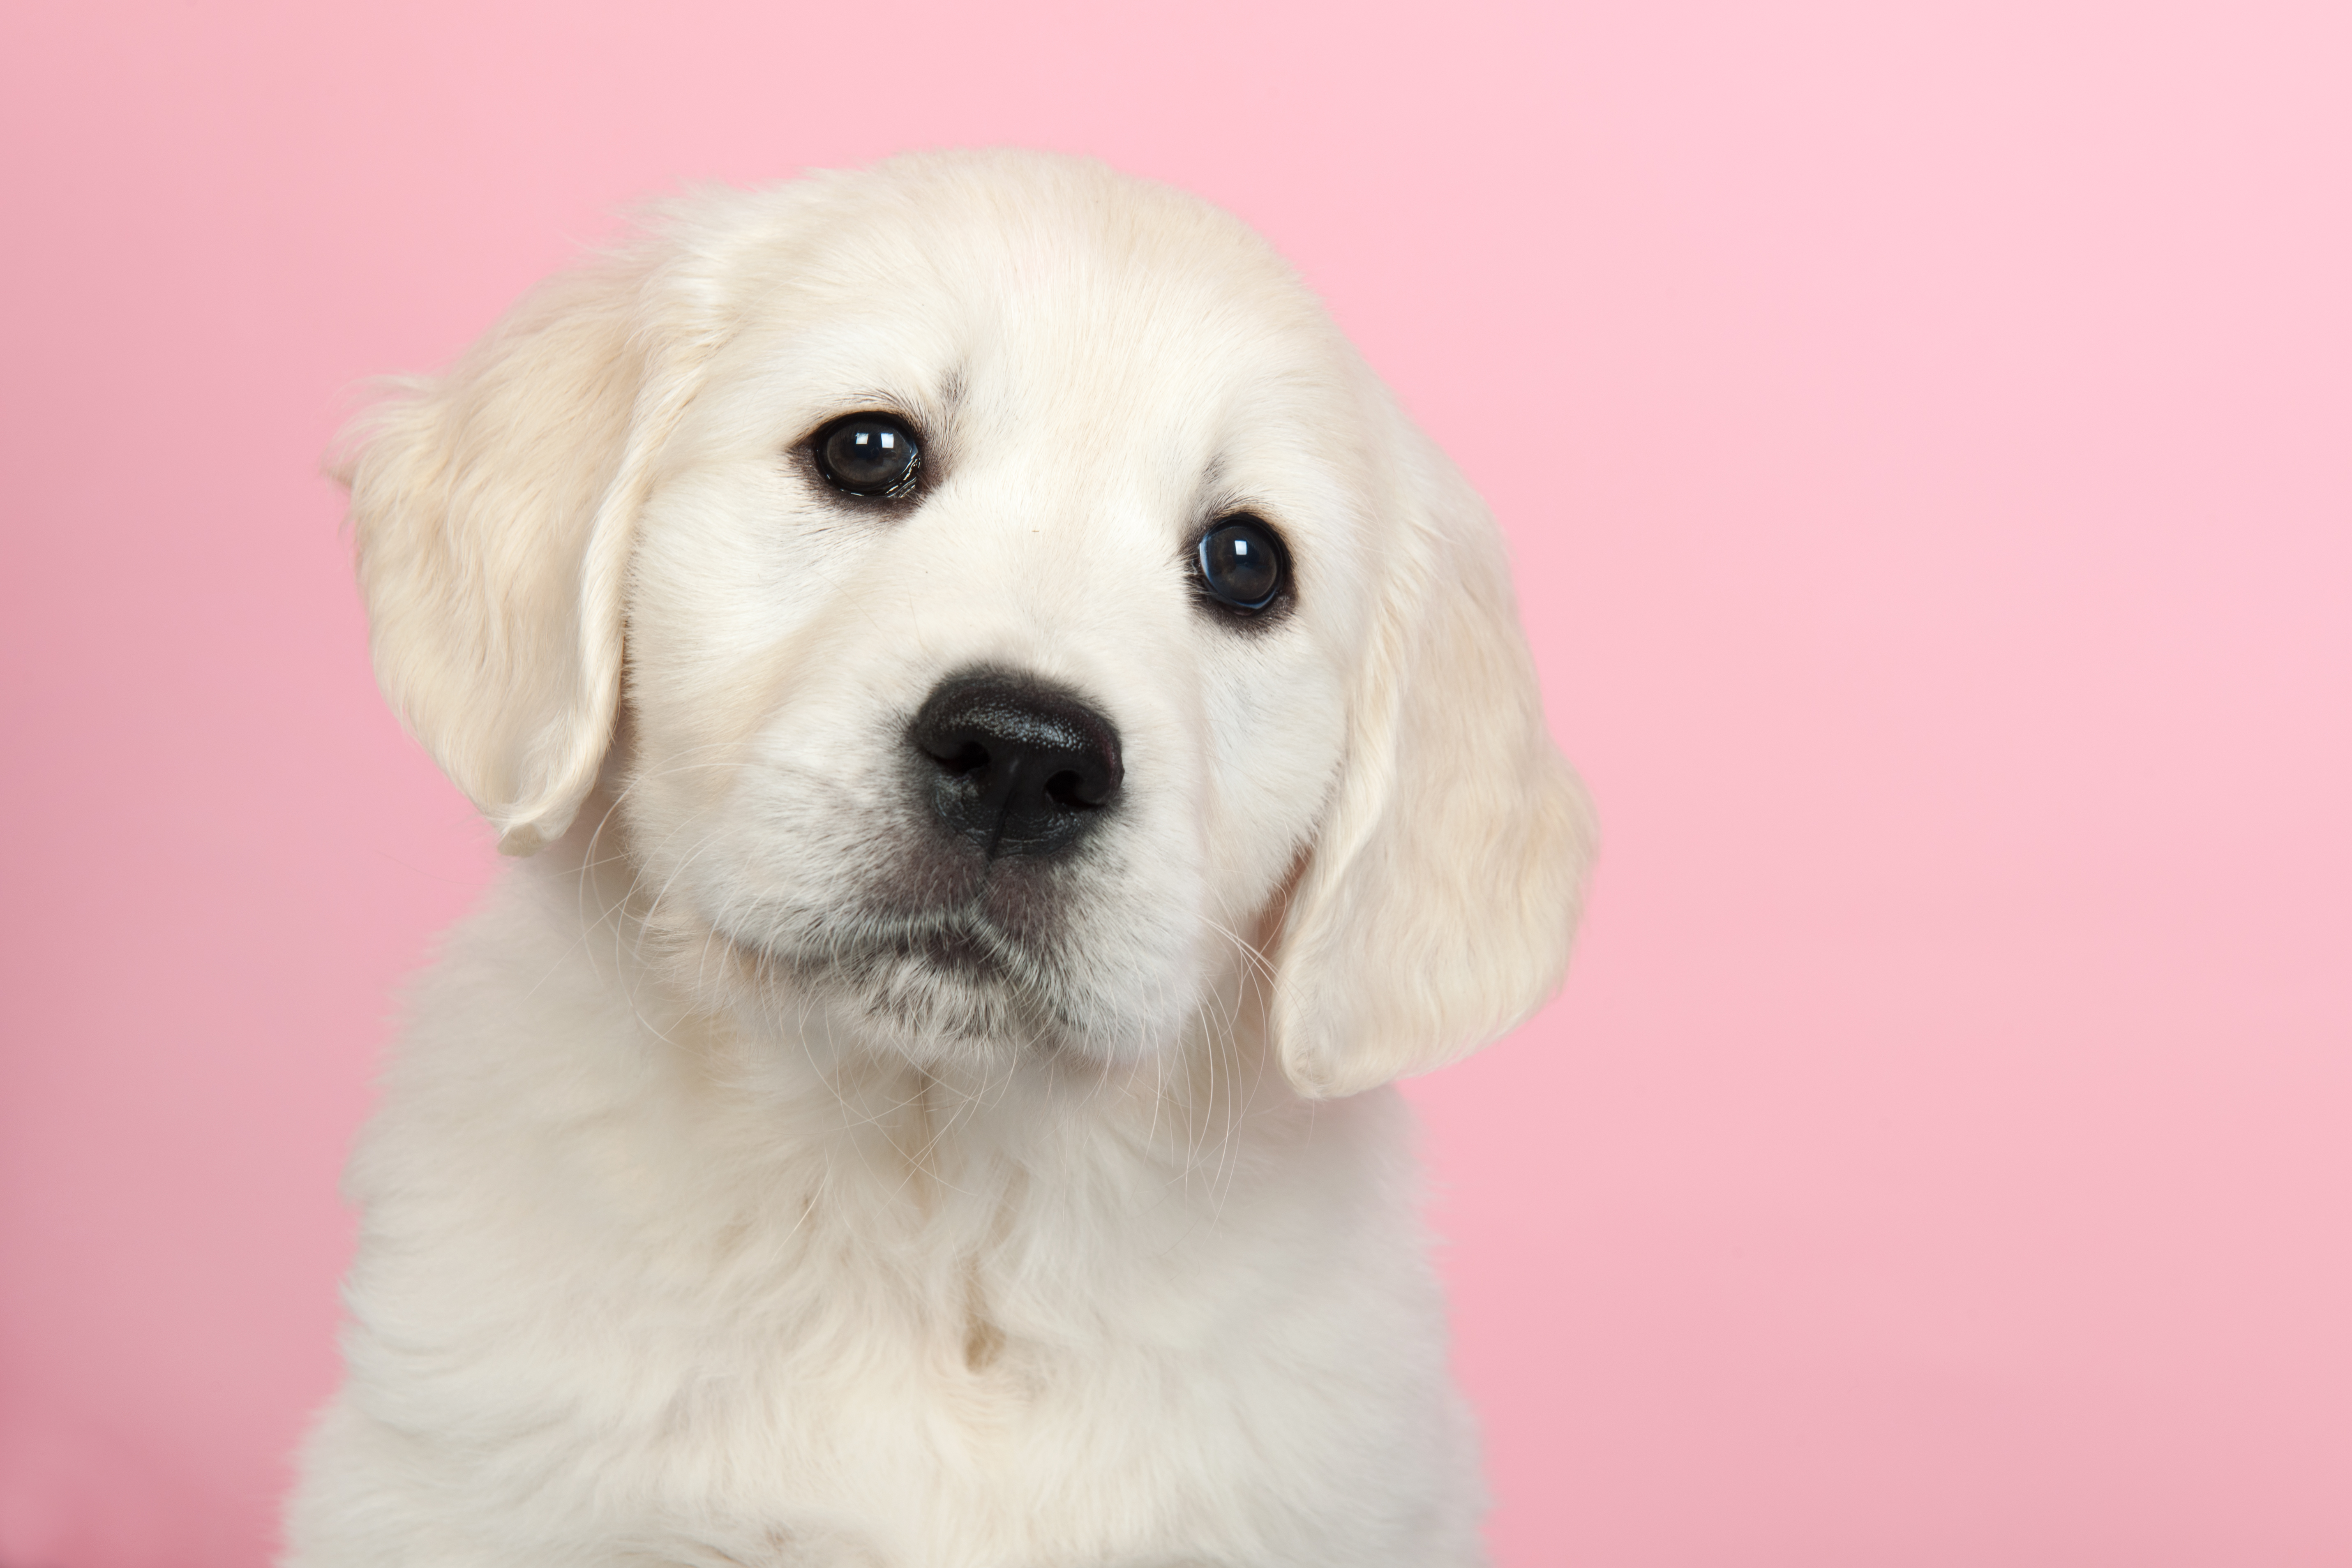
(872, 455)
(1241, 565)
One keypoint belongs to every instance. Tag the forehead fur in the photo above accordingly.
(1044, 250)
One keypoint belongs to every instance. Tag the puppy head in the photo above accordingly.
(1032, 624)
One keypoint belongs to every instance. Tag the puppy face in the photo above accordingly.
(1030, 617)
(1083, 398)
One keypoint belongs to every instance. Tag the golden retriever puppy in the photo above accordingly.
(1018, 743)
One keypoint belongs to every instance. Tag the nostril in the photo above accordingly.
(1067, 789)
(968, 758)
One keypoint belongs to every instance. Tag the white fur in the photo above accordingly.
(701, 1225)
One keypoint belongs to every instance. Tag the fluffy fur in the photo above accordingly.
(755, 1186)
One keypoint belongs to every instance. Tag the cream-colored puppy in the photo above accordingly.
(1020, 741)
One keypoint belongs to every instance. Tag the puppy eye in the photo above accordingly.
(1242, 564)
(869, 455)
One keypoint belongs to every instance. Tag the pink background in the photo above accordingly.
(1926, 433)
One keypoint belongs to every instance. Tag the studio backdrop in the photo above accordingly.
(1924, 433)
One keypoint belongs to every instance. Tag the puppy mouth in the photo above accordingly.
(943, 975)
(963, 943)
(960, 947)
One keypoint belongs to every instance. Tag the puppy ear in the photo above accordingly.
(493, 508)
(1436, 905)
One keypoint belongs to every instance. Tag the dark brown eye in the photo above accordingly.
(1242, 564)
(869, 455)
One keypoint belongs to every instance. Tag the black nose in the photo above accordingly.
(1016, 767)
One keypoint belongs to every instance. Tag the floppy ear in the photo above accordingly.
(1437, 902)
(494, 509)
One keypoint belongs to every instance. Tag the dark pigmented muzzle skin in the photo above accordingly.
(1015, 765)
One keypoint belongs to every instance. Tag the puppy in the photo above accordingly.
(1018, 743)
